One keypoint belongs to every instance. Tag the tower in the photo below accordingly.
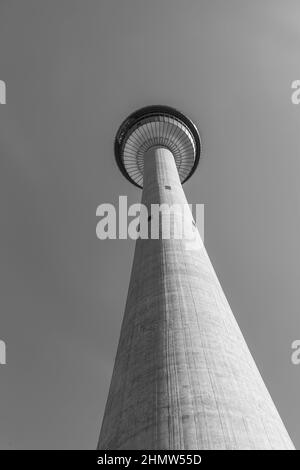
(183, 376)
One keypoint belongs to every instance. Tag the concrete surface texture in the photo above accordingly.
(183, 375)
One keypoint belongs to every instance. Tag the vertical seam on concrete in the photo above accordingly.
(205, 357)
(191, 388)
(166, 340)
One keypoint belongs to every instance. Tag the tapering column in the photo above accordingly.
(183, 376)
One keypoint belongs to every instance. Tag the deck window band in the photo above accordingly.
(168, 187)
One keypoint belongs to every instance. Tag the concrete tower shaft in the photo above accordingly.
(183, 375)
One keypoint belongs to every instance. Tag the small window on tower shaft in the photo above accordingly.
(168, 187)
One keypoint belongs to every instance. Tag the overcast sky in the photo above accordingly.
(74, 70)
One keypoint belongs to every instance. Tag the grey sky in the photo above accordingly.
(74, 69)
